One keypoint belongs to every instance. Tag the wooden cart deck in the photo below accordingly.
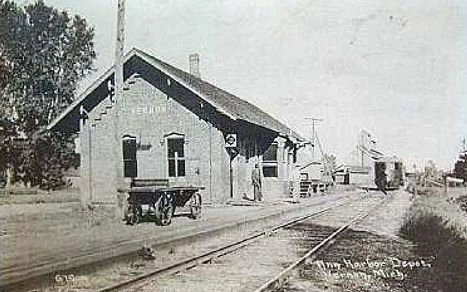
(161, 200)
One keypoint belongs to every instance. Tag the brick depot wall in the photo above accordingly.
(150, 116)
(242, 168)
(274, 189)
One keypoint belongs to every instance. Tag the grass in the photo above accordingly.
(462, 201)
(430, 232)
(437, 237)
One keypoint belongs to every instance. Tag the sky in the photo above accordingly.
(396, 68)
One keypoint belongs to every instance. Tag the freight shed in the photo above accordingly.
(173, 125)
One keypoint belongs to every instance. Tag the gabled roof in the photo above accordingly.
(354, 169)
(226, 103)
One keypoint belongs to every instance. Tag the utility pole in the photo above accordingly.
(119, 48)
(118, 97)
(327, 168)
(313, 121)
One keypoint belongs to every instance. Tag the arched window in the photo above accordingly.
(130, 166)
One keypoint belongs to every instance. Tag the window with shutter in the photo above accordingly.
(130, 167)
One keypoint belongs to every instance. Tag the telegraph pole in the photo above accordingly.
(313, 121)
(120, 46)
(118, 97)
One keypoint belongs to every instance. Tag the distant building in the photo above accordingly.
(454, 181)
(173, 125)
(312, 177)
(367, 162)
(354, 175)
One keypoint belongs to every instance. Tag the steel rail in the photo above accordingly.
(218, 252)
(327, 241)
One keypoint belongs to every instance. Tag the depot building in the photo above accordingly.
(170, 124)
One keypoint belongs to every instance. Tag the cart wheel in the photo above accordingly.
(134, 215)
(195, 206)
(139, 214)
(164, 210)
(129, 216)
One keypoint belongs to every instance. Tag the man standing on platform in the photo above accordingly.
(256, 181)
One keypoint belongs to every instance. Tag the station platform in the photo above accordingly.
(42, 239)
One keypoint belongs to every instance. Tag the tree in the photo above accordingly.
(5, 71)
(329, 163)
(329, 166)
(460, 167)
(49, 52)
(431, 171)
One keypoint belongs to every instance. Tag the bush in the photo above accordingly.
(41, 161)
(435, 237)
(451, 266)
(429, 232)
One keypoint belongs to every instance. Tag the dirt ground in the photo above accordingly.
(32, 235)
(249, 267)
(372, 257)
(21, 196)
(366, 258)
(386, 221)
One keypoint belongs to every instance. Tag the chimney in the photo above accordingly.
(194, 65)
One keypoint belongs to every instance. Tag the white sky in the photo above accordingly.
(395, 67)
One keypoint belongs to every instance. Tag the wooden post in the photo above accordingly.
(445, 180)
(119, 79)
(86, 158)
(231, 178)
(232, 154)
(118, 83)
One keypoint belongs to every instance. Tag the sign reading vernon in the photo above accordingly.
(231, 141)
(148, 109)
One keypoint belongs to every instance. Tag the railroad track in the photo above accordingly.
(208, 270)
(278, 280)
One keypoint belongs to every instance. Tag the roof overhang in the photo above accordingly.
(108, 77)
(108, 74)
(144, 56)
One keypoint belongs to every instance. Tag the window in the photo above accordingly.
(129, 157)
(271, 153)
(270, 161)
(269, 170)
(176, 157)
(250, 150)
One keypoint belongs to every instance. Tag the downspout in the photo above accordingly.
(90, 162)
(210, 161)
